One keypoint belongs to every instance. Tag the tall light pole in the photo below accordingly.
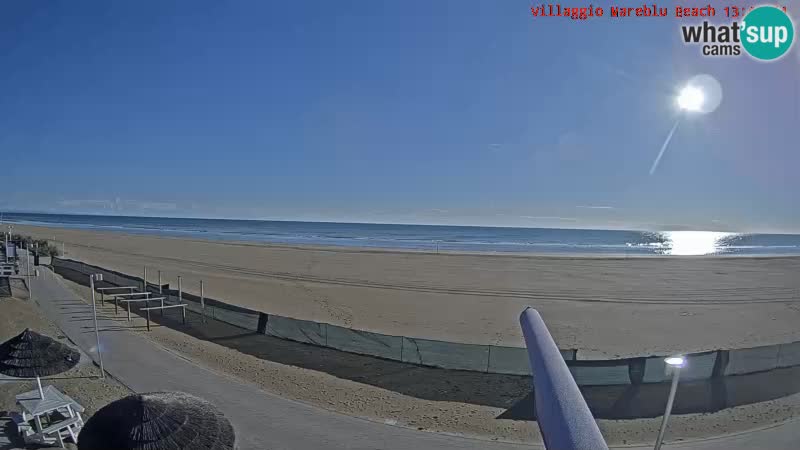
(8, 235)
(674, 363)
(30, 279)
(92, 279)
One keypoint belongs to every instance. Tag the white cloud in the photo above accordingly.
(157, 206)
(106, 204)
(118, 204)
(565, 219)
(594, 207)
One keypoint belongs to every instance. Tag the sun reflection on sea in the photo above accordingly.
(694, 243)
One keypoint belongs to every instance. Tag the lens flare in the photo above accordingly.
(691, 98)
(711, 91)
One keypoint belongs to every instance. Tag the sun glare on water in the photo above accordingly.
(694, 243)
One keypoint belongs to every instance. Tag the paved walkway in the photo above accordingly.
(261, 420)
(266, 421)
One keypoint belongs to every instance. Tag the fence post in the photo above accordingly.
(263, 318)
(180, 290)
(144, 280)
(561, 411)
(161, 293)
(202, 301)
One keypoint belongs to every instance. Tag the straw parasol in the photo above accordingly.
(31, 355)
(158, 421)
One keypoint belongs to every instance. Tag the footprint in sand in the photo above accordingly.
(342, 313)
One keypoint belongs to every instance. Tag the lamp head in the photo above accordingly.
(675, 361)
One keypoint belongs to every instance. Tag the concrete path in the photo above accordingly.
(266, 421)
(261, 420)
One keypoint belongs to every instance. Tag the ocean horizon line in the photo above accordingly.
(572, 241)
(655, 228)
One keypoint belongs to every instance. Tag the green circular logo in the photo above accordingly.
(767, 33)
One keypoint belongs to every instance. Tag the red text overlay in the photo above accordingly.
(651, 10)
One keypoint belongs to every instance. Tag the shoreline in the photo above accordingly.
(605, 307)
(389, 250)
(375, 390)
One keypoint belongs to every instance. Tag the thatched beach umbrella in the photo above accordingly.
(158, 421)
(31, 355)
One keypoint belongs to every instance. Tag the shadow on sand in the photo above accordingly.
(511, 393)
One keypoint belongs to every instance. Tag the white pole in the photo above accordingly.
(30, 279)
(39, 382)
(96, 331)
(675, 376)
(7, 236)
(180, 290)
(144, 280)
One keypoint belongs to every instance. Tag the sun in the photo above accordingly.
(691, 99)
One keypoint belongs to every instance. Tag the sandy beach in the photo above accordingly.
(602, 306)
(474, 404)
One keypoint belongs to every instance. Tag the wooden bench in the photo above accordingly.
(162, 308)
(118, 297)
(128, 302)
(65, 425)
(7, 270)
(103, 290)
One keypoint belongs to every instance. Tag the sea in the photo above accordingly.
(433, 237)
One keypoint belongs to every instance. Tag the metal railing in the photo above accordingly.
(561, 411)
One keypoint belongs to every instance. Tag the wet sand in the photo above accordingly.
(602, 306)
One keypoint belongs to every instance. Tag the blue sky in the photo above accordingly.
(468, 112)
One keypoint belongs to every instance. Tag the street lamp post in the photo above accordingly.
(92, 279)
(30, 279)
(674, 363)
(8, 236)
